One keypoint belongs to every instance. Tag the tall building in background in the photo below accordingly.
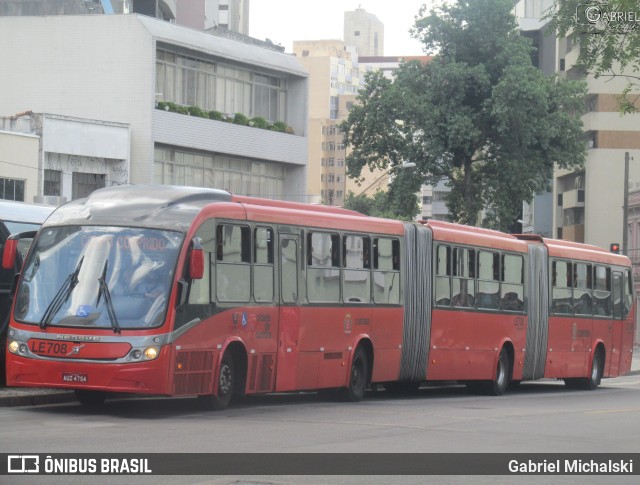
(586, 205)
(365, 32)
(335, 76)
(206, 14)
(589, 205)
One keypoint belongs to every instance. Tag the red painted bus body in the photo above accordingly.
(296, 297)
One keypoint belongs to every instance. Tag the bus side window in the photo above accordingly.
(201, 291)
(356, 277)
(323, 267)
(602, 292)
(386, 266)
(263, 273)
(628, 294)
(233, 253)
(512, 290)
(443, 271)
(582, 290)
(617, 294)
(561, 287)
(463, 273)
(488, 280)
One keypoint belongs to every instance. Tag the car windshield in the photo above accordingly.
(88, 276)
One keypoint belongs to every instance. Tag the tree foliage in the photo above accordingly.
(479, 116)
(607, 35)
(399, 202)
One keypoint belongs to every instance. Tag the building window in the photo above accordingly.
(356, 33)
(11, 189)
(85, 183)
(215, 86)
(198, 169)
(52, 182)
(333, 107)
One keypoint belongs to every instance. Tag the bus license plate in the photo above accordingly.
(83, 378)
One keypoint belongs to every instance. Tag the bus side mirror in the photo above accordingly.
(11, 248)
(9, 254)
(196, 260)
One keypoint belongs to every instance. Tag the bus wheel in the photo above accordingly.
(358, 378)
(226, 383)
(90, 399)
(595, 376)
(500, 383)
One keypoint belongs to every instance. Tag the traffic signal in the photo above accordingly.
(615, 248)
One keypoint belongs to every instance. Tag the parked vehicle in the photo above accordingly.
(15, 218)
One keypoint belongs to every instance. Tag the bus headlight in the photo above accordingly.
(150, 353)
(14, 346)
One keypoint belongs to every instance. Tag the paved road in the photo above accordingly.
(538, 417)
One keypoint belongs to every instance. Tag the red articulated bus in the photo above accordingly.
(183, 291)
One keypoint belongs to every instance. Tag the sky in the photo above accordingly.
(283, 21)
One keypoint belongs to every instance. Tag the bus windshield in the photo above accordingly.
(89, 276)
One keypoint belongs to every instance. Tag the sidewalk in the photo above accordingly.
(24, 396)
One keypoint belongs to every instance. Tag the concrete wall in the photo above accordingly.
(19, 160)
(93, 67)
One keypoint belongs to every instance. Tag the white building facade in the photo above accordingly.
(116, 68)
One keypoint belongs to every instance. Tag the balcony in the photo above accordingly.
(573, 198)
(227, 138)
(573, 233)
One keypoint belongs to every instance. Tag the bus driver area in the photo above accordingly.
(198, 292)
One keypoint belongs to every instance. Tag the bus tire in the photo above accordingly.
(499, 384)
(90, 399)
(358, 376)
(226, 383)
(592, 382)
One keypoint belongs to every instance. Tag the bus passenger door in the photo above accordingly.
(289, 257)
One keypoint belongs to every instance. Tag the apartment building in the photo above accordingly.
(335, 76)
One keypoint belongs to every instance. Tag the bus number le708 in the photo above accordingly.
(48, 347)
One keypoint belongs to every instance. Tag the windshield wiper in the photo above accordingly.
(61, 296)
(103, 290)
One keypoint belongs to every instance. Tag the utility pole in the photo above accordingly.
(625, 209)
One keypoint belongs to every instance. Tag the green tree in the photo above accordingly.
(396, 203)
(607, 35)
(479, 116)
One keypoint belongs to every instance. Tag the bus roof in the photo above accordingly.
(176, 207)
(477, 236)
(574, 250)
(587, 252)
(153, 206)
(24, 212)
